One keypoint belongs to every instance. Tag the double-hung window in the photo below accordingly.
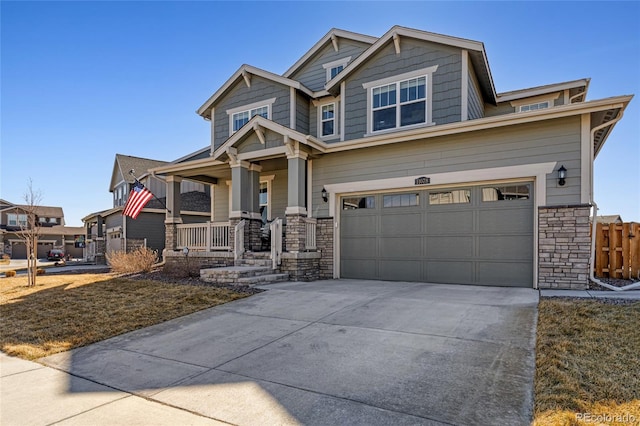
(238, 117)
(400, 101)
(328, 120)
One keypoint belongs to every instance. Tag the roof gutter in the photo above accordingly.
(592, 277)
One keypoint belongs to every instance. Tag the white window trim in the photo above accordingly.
(335, 120)
(265, 103)
(396, 79)
(329, 65)
(550, 98)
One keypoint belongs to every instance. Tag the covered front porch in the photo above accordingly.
(261, 203)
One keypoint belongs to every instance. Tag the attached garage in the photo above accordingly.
(480, 234)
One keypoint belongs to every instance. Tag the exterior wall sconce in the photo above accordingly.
(325, 196)
(562, 175)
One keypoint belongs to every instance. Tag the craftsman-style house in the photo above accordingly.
(394, 158)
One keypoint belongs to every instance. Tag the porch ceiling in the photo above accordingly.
(206, 170)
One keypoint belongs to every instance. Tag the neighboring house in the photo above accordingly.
(394, 158)
(53, 233)
(607, 219)
(109, 230)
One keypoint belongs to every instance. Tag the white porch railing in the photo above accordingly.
(206, 236)
(310, 228)
(238, 238)
(276, 242)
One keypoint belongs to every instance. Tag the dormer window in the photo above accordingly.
(535, 103)
(335, 67)
(533, 107)
(238, 117)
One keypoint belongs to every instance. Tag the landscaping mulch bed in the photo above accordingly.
(161, 276)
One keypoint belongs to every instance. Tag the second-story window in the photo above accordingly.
(328, 120)
(399, 101)
(240, 116)
(391, 111)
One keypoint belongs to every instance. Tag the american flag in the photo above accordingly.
(138, 198)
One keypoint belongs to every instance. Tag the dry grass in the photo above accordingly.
(63, 312)
(587, 363)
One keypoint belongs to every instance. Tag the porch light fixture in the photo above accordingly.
(562, 175)
(325, 196)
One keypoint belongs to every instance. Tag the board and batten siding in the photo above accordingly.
(552, 141)
(475, 104)
(240, 95)
(446, 98)
(302, 114)
(314, 76)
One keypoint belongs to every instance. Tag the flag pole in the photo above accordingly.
(132, 173)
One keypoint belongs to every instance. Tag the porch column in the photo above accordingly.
(296, 211)
(245, 201)
(172, 218)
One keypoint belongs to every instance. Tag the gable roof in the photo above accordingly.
(245, 71)
(476, 50)
(44, 211)
(332, 36)
(124, 163)
(543, 90)
(258, 122)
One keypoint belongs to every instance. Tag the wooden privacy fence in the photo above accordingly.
(618, 250)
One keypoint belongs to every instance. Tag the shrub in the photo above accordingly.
(10, 274)
(5, 260)
(40, 271)
(141, 259)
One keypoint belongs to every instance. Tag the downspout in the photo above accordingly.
(595, 215)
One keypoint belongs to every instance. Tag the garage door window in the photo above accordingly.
(400, 200)
(353, 203)
(506, 193)
(459, 196)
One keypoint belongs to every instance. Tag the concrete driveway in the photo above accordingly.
(332, 353)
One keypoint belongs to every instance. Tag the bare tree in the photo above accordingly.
(30, 230)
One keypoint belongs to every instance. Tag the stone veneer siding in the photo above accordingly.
(177, 263)
(564, 246)
(324, 243)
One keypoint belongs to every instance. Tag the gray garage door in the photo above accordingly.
(475, 235)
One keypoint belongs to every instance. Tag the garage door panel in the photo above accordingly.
(449, 272)
(365, 269)
(361, 225)
(400, 224)
(472, 242)
(512, 274)
(500, 247)
(400, 247)
(448, 222)
(449, 247)
(400, 270)
(497, 220)
(359, 247)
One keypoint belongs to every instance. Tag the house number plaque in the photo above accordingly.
(423, 180)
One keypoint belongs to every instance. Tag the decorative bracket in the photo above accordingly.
(247, 78)
(259, 132)
(396, 42)
(334, 41)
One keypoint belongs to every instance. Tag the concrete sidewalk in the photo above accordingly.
(32, 394)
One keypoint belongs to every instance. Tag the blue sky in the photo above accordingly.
(82, 81)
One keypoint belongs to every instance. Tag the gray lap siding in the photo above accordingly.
(241, 95)
(414, 55)
(554, 141)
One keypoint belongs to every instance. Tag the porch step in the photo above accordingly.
(264, 279)
(260, 262)
(231, 274)
(247, 275)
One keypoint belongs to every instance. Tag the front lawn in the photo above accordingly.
(587, 363)
(67, 311)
